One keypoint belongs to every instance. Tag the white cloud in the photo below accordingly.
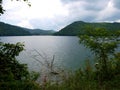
(116, 3)
(25, 23)
(107, 12)
(118, 20)
(39, 9)
(55, 14)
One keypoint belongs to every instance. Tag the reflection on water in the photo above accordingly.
(67, 50)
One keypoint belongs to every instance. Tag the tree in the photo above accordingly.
(103, 44)
(10, 68)
(1, 7)
(14, 75)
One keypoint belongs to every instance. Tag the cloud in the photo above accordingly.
(89, 4)
(69, 1)
(93, 10)
(44, 11)
(56, 14)
(110, 13)
(82, 10)
(116, 3)
(26, 24)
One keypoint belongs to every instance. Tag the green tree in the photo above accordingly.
(103, 44)
(10, 68)
(13, 75)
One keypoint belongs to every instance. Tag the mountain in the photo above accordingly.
(78, 27)
(11, 30)
(40, 32)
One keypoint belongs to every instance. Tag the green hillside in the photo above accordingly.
(78, 27)
(11, 30)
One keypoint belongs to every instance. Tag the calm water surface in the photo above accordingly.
(66, 49)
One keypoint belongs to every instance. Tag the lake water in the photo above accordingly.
(66, 49)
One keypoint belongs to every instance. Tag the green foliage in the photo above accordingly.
(10, 30)
(13, 75)
(1, 8)
(103, 44)
(10, 68)
(34, 76)
(11, 50)
(115, 64)
(86, 79)
(100, 40)
(72, 29)
(19, 85)
(79, 27)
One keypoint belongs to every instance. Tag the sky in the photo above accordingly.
(56, 14)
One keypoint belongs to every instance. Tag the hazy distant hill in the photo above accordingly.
(40, 32)
(78, 27)
(11, 30)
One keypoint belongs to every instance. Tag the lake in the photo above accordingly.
(67, 51)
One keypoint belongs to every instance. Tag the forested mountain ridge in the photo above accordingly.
(11, 30)
(78, 27)
(73, 29)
